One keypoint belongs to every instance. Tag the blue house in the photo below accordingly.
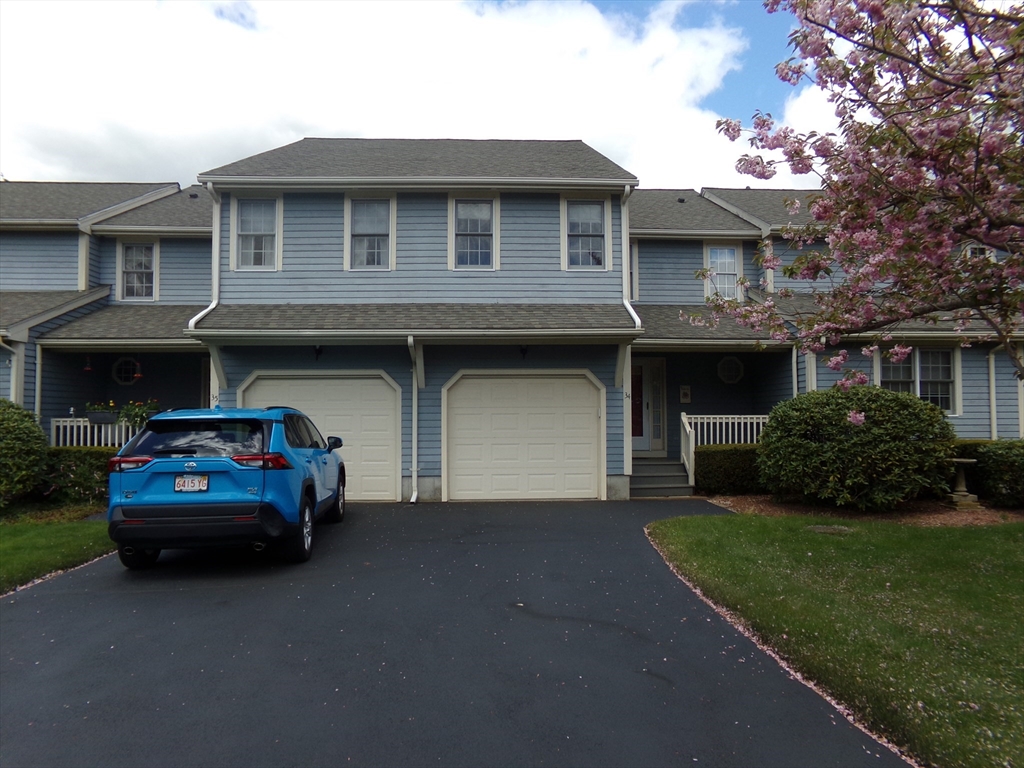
(477, 319)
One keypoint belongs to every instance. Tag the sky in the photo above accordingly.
(162, 91)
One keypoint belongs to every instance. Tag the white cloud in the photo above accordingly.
(167, 90)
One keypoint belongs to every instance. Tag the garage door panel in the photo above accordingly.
(361, 410)
(514, 437)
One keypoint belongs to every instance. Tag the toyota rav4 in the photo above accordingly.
(194, 478)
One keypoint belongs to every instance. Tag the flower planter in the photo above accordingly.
(101, 417)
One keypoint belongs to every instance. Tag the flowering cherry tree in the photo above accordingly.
(922, 188)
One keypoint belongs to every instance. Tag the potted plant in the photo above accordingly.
(101, 413)
(136, 412)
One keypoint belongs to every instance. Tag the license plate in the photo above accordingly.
(191, 483)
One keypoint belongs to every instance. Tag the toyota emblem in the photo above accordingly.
(189, 466)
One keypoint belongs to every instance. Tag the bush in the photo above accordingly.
(75, 475)
(726, 469)
(969, 449)
(1001, 473)
(812, 447)
(22, 448)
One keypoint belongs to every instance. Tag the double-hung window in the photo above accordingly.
(138, 271)
(257, 231)
(474, 234)
(585, 244)
(723, 263)
(371, 234)
(927, 373)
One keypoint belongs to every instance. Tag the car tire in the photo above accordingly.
(300, 548)
(336, 512)
(137, 559)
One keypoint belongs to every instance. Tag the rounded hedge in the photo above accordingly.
(22, 451)
(867, 447)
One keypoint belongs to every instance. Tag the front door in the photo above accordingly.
(648, 406)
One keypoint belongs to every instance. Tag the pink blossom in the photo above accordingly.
(856, 418)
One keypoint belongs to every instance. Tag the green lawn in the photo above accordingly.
(37, 540)
(920, 631)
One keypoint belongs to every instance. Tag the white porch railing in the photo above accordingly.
(715, 430)
(82, 432)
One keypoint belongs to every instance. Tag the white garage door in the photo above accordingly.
(521, 437)
(362, 411)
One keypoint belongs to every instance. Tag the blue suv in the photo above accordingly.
(224, 476)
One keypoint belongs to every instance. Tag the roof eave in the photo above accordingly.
(402, 182)
(694, 234)
(401, 335)
(19, 331)
(36, 224)
(113, 345)
(104, 229)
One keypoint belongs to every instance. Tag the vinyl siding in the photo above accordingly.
(974, 421)
(441, 363)
(108, 262)
(788, 252)
(33, 261)
(5, 374)
(667, 269)
(184, 271)
(774, 380)
(1008, 398)
(856, 362)
(530, 261)
(95, 261)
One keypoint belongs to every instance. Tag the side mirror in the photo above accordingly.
(334, 443)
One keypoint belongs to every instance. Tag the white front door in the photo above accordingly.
(648, 405)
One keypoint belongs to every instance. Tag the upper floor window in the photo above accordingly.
(256, 239)
(927, 373)
(585, 234)
(474, 234)
(724, 263)
(138, 271)
(370, 235)
(371, 232)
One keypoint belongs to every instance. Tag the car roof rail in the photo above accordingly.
(287, 407)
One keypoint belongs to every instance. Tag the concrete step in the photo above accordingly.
(670, 469)
(660, 492)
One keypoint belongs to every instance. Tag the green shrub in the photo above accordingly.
(75, 475)
(1001, 473)
(968, 449)
(726, 469)
(811, 447)
(22, 448)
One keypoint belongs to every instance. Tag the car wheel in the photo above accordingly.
(136, 558)
(300, 547)
(336, 512)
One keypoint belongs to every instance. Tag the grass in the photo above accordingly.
(919, 631)
(38, 539)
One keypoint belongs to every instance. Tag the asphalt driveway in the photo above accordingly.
(452, 635)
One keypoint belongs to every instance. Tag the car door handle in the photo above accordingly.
(309, 461)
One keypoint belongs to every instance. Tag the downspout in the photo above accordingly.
(14, 393)
(414, 468)
(624, 206)
(215, 248)
(993, 418)
(216, 365)
(796, 372)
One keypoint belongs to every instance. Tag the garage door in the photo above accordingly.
(523, 437)
(362, 411)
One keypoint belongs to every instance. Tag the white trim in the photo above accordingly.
(602, 480)
(15, 394)
(993, 411)
(627, 413)
(373, 373)
(392, 198)
(957, 373)
(795, 365)
(768, 249)
(634, 270)
(736, 245)
(119, 280)
(956, 391)
(278, 235)
(563, 218)
(405, 182)
(811, 373)
(1020, 408)
(39, 383)
(495, 199)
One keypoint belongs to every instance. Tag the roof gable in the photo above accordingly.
(766, 205)
(189, 208)
(679, 211)
(66, 202)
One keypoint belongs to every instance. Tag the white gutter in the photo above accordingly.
(414, 464)
(215, 248)
(406, 182)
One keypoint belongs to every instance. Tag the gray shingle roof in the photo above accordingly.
(422, 318)
(662, 323)
(124, 322)
(18, 306)
(427, 159)
(190, 208)
(59, 201)
(660, 209)
(769, 205)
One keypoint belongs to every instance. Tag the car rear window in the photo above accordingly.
(196, 437)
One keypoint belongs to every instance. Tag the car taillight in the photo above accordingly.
(122, 463)
(262, 461)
